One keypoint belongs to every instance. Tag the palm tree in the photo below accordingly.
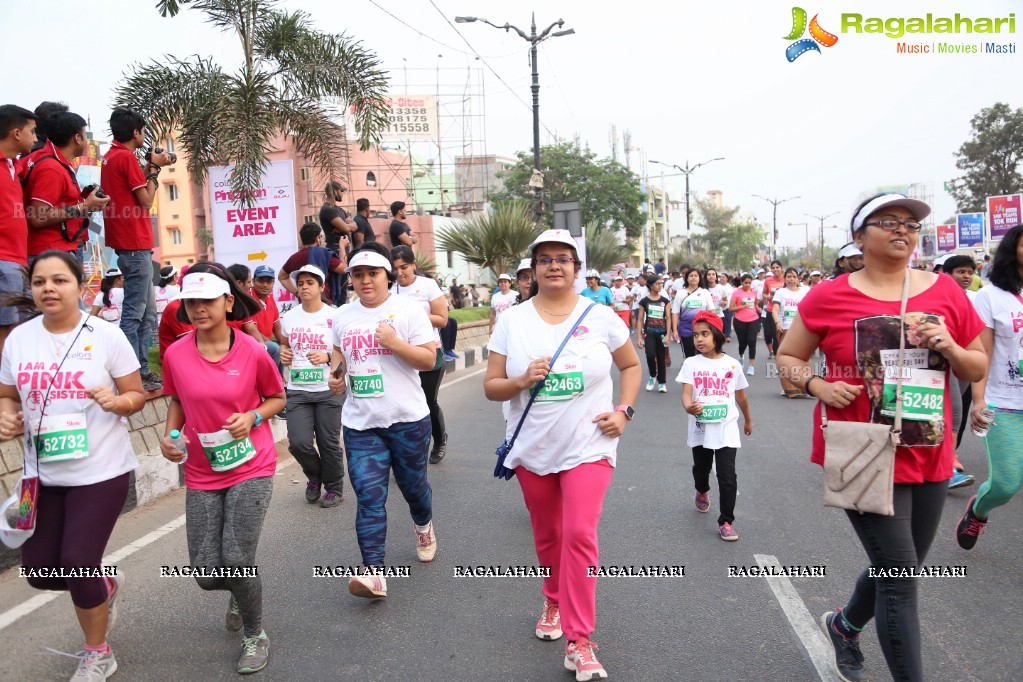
(603, 250)
(494, 240)
(290, 79)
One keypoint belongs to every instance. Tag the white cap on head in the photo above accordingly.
(113, 272)
(556, 236)
(815, 273)
(592, 273)
(617, 278)
(525, 264)
(504, 275)
(369, 259)
(204, 285)
(919, 209)
(849, 250)
(311, 269)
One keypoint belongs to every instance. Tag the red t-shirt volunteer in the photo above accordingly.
(266, 319)
(52, 181)
(853, 326)
(13, 225)
(170, 329)
(128, 226)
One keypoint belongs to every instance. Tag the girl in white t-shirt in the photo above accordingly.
(381, 342)
(784, 308)
(168, 289)
(110, 301)
(688, 302)
(501, 300)
(713, 393)
(67, 381)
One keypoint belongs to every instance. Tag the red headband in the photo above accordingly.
(711, 319)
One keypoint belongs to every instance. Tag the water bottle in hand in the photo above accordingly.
(178, 443)
(989, 416)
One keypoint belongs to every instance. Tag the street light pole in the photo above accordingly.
(533, 39)
(821, 218)
(806, 245)
(774, 202)
(686, 172)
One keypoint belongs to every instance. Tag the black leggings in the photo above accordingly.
(728, 486)
(898, 541)
(747, 334)
(449, 335)
(655, 356)
(688, 346)
(430, 381)
(770, 333)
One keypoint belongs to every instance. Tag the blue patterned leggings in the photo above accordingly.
(1004, 444)
(372, 455)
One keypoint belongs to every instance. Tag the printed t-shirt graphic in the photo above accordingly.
(308, 333)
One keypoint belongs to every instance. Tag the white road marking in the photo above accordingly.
(803, 623)
(467, 376)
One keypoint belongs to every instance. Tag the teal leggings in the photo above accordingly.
(1004, 444)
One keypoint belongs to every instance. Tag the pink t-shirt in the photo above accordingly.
(748, 312)
(210, 392)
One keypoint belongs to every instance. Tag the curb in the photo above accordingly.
(467, 357)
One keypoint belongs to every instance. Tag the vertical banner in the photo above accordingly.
(970, 230)
(264, 233)
(946, 235)
(1003, 213)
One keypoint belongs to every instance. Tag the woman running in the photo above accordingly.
(1000, 306)
(381, 342)
(231, 457)
(168, 288)
(111, 297)
(651, 330)
(428, 295)
(622, 299)
(312, 410)
(745, 307)
(85, 373)
(689, 301)
(772, 283)
(565, 452)
(855, 321)
(784, 308)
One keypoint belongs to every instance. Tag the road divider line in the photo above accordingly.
(467, 376)
(802, 622)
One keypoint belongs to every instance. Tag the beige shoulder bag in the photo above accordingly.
(859, 458)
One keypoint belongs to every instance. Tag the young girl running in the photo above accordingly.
(784, 308)
(745, 304)
(712, 387)
(651, 329)
(168, 289)
(230, 448)
(111, 297)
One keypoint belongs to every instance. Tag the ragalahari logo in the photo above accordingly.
(803, 45)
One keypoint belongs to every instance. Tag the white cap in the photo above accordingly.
(113, 272)
(919, 209)
(312, 270)
(592, 273)
(849, 250)
(525, 264)
(815, 273)
(504, 275)
(557, 236)
(618, 277)
(369, 259)
(204, 285)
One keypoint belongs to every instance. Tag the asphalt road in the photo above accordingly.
(434, 626)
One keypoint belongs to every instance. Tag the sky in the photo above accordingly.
(690, 81)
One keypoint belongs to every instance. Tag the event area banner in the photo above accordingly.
(946, 235)
(970, 230)
(1003, 213)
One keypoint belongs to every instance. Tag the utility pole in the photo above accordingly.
(821, 218)
(774, 225)
(687, 171)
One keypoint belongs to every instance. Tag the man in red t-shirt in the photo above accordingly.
(17, 135)
(313, 252)
(129, 229)
(56, 210)
(269, 321)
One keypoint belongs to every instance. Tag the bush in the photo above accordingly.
(465, 315)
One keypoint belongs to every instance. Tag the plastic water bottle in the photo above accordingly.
(178, 443)
(989, 415)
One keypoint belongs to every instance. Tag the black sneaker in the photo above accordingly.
(312, 492)
(330, 499)
(151, 382)
(970, 527)
(440, 448)
(848, 659)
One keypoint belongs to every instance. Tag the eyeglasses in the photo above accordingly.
(525, 277)
(892, 225)
(560, 260)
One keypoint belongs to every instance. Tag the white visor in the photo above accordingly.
(849, 250)
(919, 209)
(204, 285)
(369, 259)
(113, 273)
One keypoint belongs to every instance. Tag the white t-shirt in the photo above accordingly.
(98, 357)
(714, 384)
(164, 295)
(638, 293)
(111, 312)
(757, 285)
(719, 296)
(788, 302)
(424, 290)
(500, 302)
(382, 388)
(1003, 313)
(699, 300)
(619, 296)
(559, 432)
(308, 333)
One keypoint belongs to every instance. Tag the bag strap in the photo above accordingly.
(539, 385)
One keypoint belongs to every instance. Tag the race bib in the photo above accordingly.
(1019, 359)
(694, 303)
(110, 314)
(62, 437)
(789, 313)
(655, 312)
(224, 452)
(923, 394)
(747, 303)
(713, 412)
(161, 305)
(307, 376)
(558, 387)
(367, 383)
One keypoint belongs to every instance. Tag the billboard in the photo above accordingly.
(1003, 213)
(970, 230)
(411, 117)
(946, 238)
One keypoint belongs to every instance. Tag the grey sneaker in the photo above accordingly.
(233, 618)
(112, 602)
(151, 381)
(94, 666)
(255, 653)
(312, 492)
(848, 659)
(330, 499)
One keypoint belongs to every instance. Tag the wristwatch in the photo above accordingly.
(259, 418)
(627, 409)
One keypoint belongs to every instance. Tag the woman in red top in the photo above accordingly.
(854, 320)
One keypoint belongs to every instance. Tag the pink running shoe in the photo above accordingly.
(548, 628)
(580, 659)
(728, 533)
(702, 502)
(368, 585)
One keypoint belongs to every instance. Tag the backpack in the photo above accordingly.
(320, 257)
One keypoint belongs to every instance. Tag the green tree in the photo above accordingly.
(496, 240)
(289, 80)
(990, 159)
(608, 193)
(603, 250)
(725, 241)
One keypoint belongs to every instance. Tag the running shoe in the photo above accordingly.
(94, 666)
(368, 585)
(115, 592)
(751, 370)
(848, 659)
(451, 355)
(970, 528)
(312, 492)
(548, 628)
(440, 449)
(727, 533)
(151, 382)
(426, 543)
(233, 618)
(330, 499)
(702, 502)
(255, 653)
(580, 659)
(960, 480)
(662, 388)
(650, 384)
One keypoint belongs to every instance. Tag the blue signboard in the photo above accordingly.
(970, 228)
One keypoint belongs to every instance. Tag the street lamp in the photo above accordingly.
(806, 247)
(686, 172)
(821, 218)
(533, 39)
(774, 202)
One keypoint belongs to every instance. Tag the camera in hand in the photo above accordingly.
(87, 190)
(159, 150)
